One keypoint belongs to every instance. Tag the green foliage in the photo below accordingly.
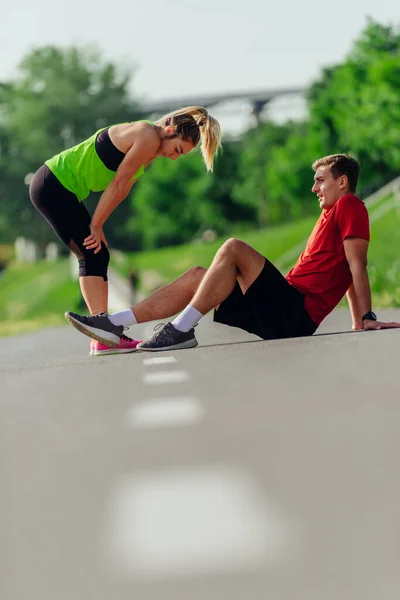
(25, 305)
(252, 187)
(62, 95)
(35, 296)
(275, 176)
(356, 105)
(171, 201)
(290, 177)
(59, 97)
(171, 262)
(178, 200)
(384, 259)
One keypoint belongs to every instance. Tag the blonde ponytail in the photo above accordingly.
(196, 124)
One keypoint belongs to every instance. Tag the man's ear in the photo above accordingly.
(344, 181)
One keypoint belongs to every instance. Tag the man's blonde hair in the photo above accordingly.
(341, 164)
(194, 123)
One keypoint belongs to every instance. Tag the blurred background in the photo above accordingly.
(288, 84)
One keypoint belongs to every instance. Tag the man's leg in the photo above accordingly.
(170, 299)
(204, 290)
(234, 261)
(162, 304)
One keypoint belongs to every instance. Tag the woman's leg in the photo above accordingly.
(70, 220)
(95, 293)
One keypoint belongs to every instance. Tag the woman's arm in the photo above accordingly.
(141, 153)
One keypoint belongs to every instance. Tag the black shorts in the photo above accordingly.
(68, 217)
(61, 208)
(70, 220)
(271, 308)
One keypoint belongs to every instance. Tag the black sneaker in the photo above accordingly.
(98, 327)
(169, 338)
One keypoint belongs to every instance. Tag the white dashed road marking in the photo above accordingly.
(159, 360)
(161, 377)
(188, 522)
(165, 412)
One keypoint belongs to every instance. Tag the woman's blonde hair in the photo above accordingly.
(194, 123)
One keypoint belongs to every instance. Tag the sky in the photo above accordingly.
(180, 48)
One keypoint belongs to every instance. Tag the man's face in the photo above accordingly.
(327, 188)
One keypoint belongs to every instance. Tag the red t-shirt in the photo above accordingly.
(322, 272)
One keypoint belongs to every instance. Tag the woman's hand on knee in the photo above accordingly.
(93, 241)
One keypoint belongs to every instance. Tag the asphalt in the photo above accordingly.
(239, 469)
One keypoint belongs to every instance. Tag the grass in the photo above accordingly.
(173, 261)
(384, 254)
(384, 260)
(6, 253)
(37, 295)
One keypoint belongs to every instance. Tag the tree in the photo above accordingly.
(289, 175)
(176, 202)
(59, 97)
(171, 203)
(358, 103)
(252, 188)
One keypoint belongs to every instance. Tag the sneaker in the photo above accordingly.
(98, 327)
(169, 338)
(126, 345)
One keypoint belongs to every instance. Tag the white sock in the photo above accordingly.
(123, 317)
(187, 319)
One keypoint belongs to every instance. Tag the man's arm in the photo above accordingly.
(356, 250)
(354, 309)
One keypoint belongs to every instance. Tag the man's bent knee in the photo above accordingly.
(197, 272)
(233, 247)
(195, 275)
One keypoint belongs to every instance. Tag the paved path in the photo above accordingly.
(241, 469)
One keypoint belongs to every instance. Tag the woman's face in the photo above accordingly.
(174, 147)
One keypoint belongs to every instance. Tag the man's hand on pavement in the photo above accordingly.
(369, 325)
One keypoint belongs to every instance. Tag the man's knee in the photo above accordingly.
(195, 275)
(197, 272)
(233, 247)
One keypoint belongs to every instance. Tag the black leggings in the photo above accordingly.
(70, 220)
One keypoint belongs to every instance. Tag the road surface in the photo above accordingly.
(240, 469)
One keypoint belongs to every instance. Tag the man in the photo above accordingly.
(247, 291)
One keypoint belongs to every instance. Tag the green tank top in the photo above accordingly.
(81, 171)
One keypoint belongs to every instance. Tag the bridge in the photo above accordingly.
(257, 99)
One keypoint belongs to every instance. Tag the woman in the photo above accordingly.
(111, 161)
